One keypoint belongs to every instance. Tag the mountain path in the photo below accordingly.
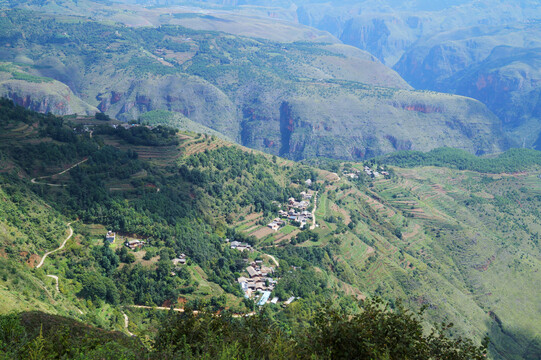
(313, 226)
(182, 310)
(274, 260)
(56, 279)
(57, 249)
(126, 322)
(33, 181)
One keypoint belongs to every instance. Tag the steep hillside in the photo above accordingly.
(40, 94)
(449, 239)
(296, 100)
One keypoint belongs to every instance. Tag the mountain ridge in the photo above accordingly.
(218, 80)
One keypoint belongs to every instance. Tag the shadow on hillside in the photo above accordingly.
(511, 344)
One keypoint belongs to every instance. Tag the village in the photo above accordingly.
(259, 282)
(372, 172)
(296, 213)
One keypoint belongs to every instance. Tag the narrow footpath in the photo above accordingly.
(126, 322)
(313, 226)
(182, 310)
(34, 180)
(55, 250)
(56, 279)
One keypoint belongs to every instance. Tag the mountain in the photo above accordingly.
(444, 229)
(389, 29)
(508, 82)
(455, 49)
(296, 100)
(497, 66)
(40, 94)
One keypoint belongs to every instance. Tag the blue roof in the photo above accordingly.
(264, 298)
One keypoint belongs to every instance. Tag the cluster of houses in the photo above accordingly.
(240, 245)
(354, 173)
(297, 210)
(134, 244)
(260, 282)
(374, 172)
(259, 279)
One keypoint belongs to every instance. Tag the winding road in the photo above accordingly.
(56, 279)
(57, 249)
(33, 181)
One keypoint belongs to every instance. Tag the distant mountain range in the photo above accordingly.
(298, 100)
(444, 46)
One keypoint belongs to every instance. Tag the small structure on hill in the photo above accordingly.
(134, 244)
(264, 298)
(240, 246)
(110, 237)
(276, 224)
(181, 260)
(290, 300)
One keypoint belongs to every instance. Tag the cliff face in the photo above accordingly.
(332, 122)
(498, 66)
(53, 97)
(195, 98)
(509, 82)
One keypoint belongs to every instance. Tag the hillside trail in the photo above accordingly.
(126, 322)
(57, 249)
(313, 226)
(182, 310)
(274, 260)
(56, 279)
(53, 251)
(33, 181)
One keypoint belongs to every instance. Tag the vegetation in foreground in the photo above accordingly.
(374, 333)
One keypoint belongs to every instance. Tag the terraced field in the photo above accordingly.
(446, 238)
(195, 146)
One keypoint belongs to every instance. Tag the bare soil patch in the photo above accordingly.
(261, 233)
(33, 260)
